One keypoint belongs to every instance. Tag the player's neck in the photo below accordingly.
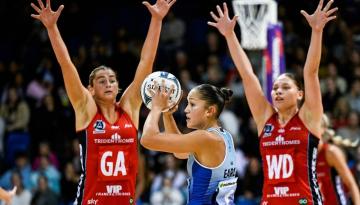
(210, 124)
(108, 111)
(285, 116)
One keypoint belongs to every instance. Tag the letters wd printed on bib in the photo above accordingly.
(289, 155)
(109, 154)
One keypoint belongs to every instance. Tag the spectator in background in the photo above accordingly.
(331, 95)
(43, 195)
(16, 77)
(52, 175)
(356, 72)
(251, 184)
(75, 145)
(44, 149)
(231, 122)
(186, 81)
(352, 130)
(36, 90)
(22, 195)
(250, 143)
(214, 45)
(123, 57)
(15, 112)
(16, 115)
(332, 73)
(46, 70)
(171, 172)
(167, 194)
(353, 96)
(22, 165)
(16, 81)
(173, 32)
(353, 58)
(234, 82)
(48, 124)
(69, 182)
(340, 113)
(214, 75)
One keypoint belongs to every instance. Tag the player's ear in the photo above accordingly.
(91, 89)
(211, 111)
(300, 95)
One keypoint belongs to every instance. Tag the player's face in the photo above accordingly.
(195, 111)
(285, 94)
(105, 85)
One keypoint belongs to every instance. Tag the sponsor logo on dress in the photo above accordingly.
(279, 138)
(113, 190)
(268, 129)
(303, 201)
(282, 191)
(279, 141)
(115, 139)
(127, 125)
(295, 128)
(92, 201)
(115, 127)
(99, 127)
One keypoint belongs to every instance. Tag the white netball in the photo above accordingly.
(162, 78)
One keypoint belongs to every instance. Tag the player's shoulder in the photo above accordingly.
(333, 152)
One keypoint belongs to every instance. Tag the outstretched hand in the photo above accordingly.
(45, 14)
(321, 16)
(160, 8)
(223, 23)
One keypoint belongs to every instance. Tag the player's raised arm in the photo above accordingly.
(78, 94)
(131, 99)
(312, 109)
(259, 106)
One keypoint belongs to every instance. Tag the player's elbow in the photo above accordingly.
(146, 141)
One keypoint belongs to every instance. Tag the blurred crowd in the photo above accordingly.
(39, 149)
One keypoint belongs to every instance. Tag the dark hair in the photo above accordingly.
(213, 95)
(95, 70)
(21, 154)
(297, 80)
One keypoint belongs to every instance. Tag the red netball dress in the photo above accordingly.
(289, 163)
(331, 186)
(109, 161)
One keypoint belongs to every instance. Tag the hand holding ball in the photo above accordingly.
(160, 78)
